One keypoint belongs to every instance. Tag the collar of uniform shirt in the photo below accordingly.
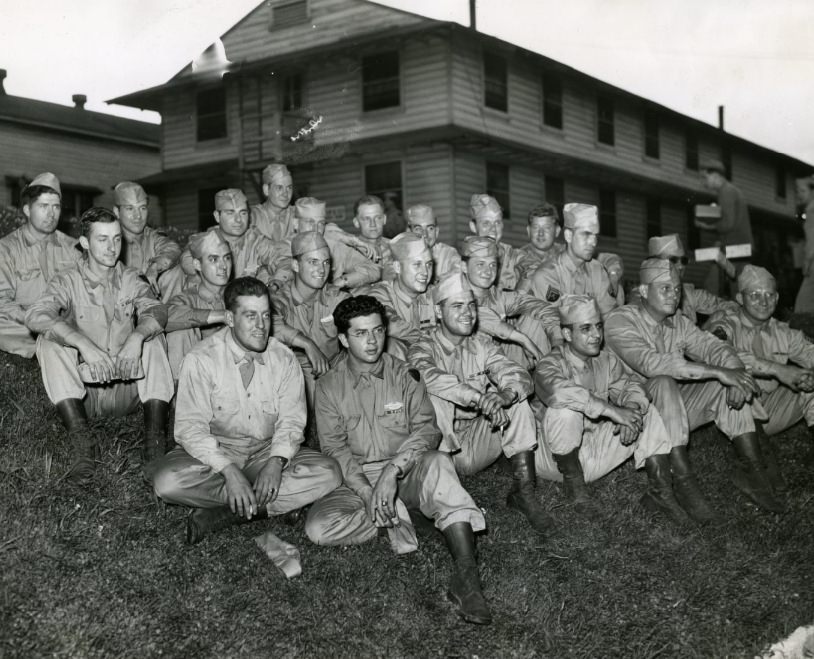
(377, 371)
(448, 347)
(91, 279)
(205, 294)
(750, 323)
(239, 354)
(28, 236)
(570, 264)
(573, 359)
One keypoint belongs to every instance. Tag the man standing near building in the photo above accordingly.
(733, 227)
(780, 358)
(239, 419)
(575, 271)
(597, 415)
(274, 218)
(422, 222)
(370, 219)
(480, 397)
(29, 257)
(375, 418)
(543, 229)
(706, 382)
(101, 348)
(145, 249)
(487, 221)
(805, 199)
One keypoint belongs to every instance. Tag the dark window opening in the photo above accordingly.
(206, 207)
(380, 81)
(651, 134)
(383, 179)
(210, 106)
(495, 78)
(552, 101)
(497, 185)
(653, 217)
(691, 152)
(693, 232)
(780, 182)
(605, 124)
(292, 92)
(555, 192)
(607, 213)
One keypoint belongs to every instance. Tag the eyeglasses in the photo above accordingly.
(762, 296)
(676, 260)
(377, 332)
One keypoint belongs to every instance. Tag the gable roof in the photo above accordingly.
(87, 123)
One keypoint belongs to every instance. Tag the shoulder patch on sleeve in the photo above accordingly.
(720, 332)
(553, 294)
(414, 374)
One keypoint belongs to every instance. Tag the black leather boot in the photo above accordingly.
(203, 521)
(750, 476)
(686, 489)
(573, 480)
(659, 497)
(73, 416)
(155, 430)
(522, 496)
(768, 449)
(464, 587)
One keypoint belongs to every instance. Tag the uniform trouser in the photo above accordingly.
(804, 303)
(432, 486)
(16, 338)
(600, 450)
(785, 408)
(60, 374)
(481, 444)
(179, 343)
(183, 480)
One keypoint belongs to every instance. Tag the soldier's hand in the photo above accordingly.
(625, 417)
(493, 401)
(319, 362)
(531, 350)
(366, 249)
(806, 381)
(384, 499)
(735, 398)
(627, 436)
(100, 364)
(239, 492)
(790, 375)
(129, 357)
(739, 379)
(267, 485)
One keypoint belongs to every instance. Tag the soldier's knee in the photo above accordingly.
(662, 385)
(166, 481)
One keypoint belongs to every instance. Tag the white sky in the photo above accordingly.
(756, 57)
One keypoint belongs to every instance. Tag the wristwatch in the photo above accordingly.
(283, 461)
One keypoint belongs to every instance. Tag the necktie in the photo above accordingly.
(246, 367)
(757, 344)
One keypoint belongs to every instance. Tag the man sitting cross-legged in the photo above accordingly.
(597, 415)
(479, 396)
(779, 357)
(239, 418)
(101, 347)
(375, 418)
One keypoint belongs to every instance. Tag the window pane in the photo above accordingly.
(653, 218)
(691, 152)
(780, 182)
(495, 82)
(211, 112)
(292, 92)
(206, 206)
(291, 13)
(380, 81)
(497, 185)
(552, 101)
(607, 213)
(651, 134)
(605, 128)
(384, 178)
(555, 192)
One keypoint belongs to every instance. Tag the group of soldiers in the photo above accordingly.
(407, 362)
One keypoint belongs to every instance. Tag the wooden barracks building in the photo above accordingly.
(357, 97)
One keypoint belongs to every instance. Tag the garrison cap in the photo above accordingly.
(754, 276)
(308, 241)
(420, 212)
(479, 246)
(406, 245)
(234, 196)
(575, 309)
(656, 270)
(48, 180)
(580, 215)
(665, 246)
(482, 205)
(452, 283)
(122, 188)
(205, 242)
(310, 207)
(275, 173)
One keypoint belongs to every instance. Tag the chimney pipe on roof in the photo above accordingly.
(720, 117)
(79, 101)
(473, 23)
(2, 77)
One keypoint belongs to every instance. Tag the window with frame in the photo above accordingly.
(605, 130)
(206, 207)
(691, 151)
(780, 185)
(552, 101)
(288, 14)
(210, 109)
(555, 192)
(384, 178)
(292, 92)
(693, 232)
(495, 82)
(651, 134)
(381, 81)
(497, 185)
(607, 213)
(653, 217)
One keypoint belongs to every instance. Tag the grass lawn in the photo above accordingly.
(104, 572)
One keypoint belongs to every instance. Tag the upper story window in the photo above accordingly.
(653, 218)
(691, 152)
(780, 182)
(497, 185)
(210, 108)
(495, 82)
(651, 134)
(607, 213)
(381, 85)
(292, 92)
(552, 101)
(289, 13)
(605, 132)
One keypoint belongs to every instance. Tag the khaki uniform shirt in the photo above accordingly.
(190, 310)
(151, 247)
(696, 300)
(507, 258)
(563, 276)
(382, 247)
(105, 312)
(313, 318)
(381, 416)
(530, 258)
(407, 318)
(216, 417)
(772, 341)
(652, 349)
(565, 380)
(26, 266)
(445, 259)
(278, 225)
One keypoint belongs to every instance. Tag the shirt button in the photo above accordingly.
(248, 395)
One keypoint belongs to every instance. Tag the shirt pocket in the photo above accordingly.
(30, 286)
(393, 419)
(125, 310)
(90, 315)
(270, 414)
(352, 421)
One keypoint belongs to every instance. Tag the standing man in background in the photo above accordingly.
(274, 218)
